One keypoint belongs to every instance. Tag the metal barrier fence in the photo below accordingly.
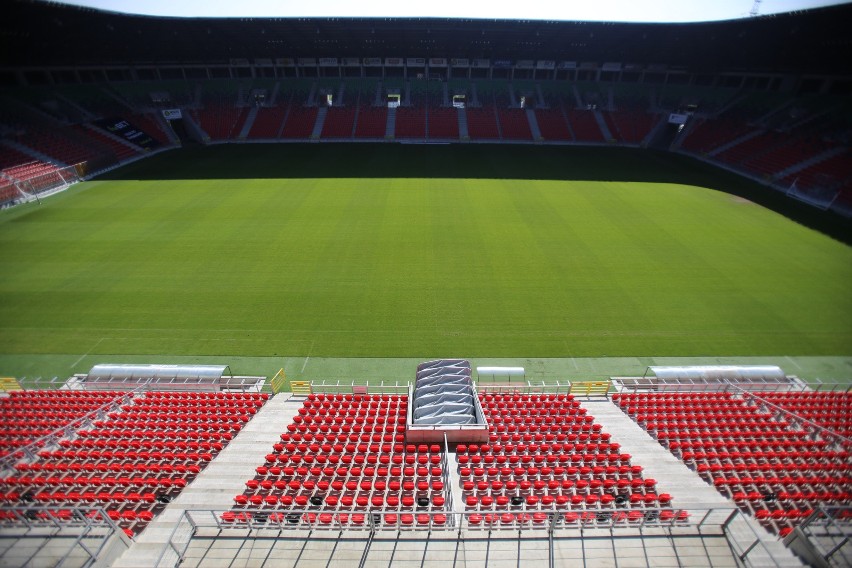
(826, 434)
(829, 535)
(550, 524)
(352, 387)
(83, 524)
(30, 451)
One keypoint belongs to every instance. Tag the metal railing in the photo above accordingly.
(826, 434)
(353, 387)
(554, 524)
(84, 524)
(29, 452)
(829, 533)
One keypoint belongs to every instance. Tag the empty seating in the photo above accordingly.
(482, 123)
(268, 122)
(630, 126)
(345, 455)
(708, 135)
(443, 123)
(545, 453)
(514, 124)
(221, 120)
(410, 122)
(121, 150)
(552, 124)
(300, 122)
(372, 122)
(131, 462)
(768, 463)
(339, 122)
(585, 126)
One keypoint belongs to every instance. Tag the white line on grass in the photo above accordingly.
(305, 364)
(86, 354)
(793, 362)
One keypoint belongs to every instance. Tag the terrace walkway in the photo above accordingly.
(218, 483)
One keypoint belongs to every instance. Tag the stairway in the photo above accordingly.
(108, 134)
(378, 99)
(338, 100)
(463, 133)
(687, 489)
(822, 156)
(194, 129)
(513, 100)
(390, 125)
(317, 131)
(540, 102)
(273, 98)
(577, 98)
(474, 96)
(734, 142)
(36, 155)
(312, 95)
(603, 126)
(252, 115)
(534, 129)
(216, 486)
(446, 91)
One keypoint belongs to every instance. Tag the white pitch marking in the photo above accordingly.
(86, 354)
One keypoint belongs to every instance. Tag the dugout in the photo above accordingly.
(712, 377)
(211, 378)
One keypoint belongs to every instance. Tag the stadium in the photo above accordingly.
(420, 291)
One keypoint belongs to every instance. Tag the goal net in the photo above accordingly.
(45, 184)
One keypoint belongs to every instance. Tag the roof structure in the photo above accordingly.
(718, 372)
(40, 33)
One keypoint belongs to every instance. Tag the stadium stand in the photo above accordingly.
(411, 122)
(482, 123)
(372, 122)
(546, 453)
(122, 151)
(772, 465)
(584, 126)
(299, 122)
(339, 122)
(139, 455)
(553, 125)
(514, 124)
(443, 123)
(630, 126)
(346, 456)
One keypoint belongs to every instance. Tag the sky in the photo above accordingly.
(575, 10)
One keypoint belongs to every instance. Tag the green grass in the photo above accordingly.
(413, 267)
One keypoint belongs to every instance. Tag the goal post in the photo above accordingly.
(48, 183)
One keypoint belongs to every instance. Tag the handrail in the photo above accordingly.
(557, 523)
(30, 451)
(322, 518)
(64, 517)
(826, 433)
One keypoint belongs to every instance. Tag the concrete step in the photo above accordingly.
(217, 485)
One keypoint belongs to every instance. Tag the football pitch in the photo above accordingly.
(417, 252)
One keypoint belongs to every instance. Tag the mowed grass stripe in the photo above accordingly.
(417, 267)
